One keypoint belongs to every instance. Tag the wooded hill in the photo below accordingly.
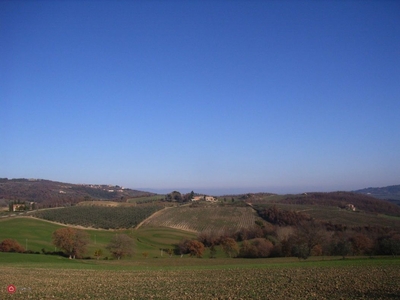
(47, 193)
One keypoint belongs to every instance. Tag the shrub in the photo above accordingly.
(10, 245)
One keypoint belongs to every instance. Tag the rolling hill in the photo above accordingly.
(49, 193)
(231, 212)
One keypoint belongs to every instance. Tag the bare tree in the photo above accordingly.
(121, 245)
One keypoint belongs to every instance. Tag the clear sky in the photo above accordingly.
(210, 96)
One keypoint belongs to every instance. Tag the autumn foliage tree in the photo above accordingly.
(72, 241)
(10, 245)
(195, 248)
(191, 247)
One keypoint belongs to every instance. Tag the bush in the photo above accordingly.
(10, 245)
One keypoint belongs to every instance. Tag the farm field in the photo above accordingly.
(204, 217)
(192, 278)
(160, 276)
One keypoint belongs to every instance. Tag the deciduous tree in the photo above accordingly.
(72, 241)
(361, 244)
(98, 253)
(341, 244)
(121, 245)
(390, 245)
(208, 238)
(230, 247)
(193, 247)
(213, 252)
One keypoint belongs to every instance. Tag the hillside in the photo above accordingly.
(49, 193)
(361, 203)
(391, 193)
(104, 217)
(336, 209)
(199, 217)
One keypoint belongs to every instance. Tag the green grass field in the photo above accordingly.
(35, 234)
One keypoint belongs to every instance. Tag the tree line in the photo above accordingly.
(176, 196)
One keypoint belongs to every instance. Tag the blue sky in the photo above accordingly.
(210, 96)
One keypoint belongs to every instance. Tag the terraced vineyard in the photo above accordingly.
(204, 217)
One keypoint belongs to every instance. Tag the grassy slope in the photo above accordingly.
(38, 233)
